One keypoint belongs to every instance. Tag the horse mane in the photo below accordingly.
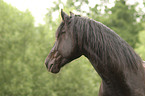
(109, 46)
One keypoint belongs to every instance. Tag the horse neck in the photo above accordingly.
(115, 79)
(97, 63)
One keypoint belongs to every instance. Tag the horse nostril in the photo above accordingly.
(51, 66)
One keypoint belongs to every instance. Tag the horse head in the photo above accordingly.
(65, 48)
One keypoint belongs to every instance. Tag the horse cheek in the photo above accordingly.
(67, 48)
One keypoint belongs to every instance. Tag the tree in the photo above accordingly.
(15, 34)
(141, 45)
(123, 20)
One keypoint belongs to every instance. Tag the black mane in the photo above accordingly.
(109, 47)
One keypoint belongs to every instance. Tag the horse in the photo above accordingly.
(119, 66)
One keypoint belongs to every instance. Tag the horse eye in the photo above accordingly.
(63, 32)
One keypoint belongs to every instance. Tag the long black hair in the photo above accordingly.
(109, 46)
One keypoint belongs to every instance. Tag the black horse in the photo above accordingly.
(118, 65)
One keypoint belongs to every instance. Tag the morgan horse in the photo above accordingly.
(120, 68)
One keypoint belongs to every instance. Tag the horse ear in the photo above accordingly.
(64, 16)
(72, 14)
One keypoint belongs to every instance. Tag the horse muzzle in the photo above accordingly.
(53, 61)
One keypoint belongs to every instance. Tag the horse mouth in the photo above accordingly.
(53, 68)
(55, 62)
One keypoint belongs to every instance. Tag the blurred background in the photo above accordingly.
(27, 33)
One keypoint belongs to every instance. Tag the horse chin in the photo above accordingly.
(56, 68)
(54, 65)
(55, 71)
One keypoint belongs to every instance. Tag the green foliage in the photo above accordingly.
(141, 45)
(15, 34)
(122, 18)
(123, 21)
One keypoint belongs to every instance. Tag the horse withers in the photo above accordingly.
(116, 62)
